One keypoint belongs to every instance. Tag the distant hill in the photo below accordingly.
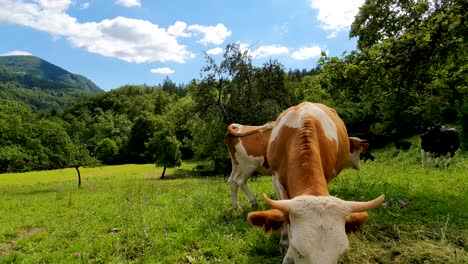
(38, 70)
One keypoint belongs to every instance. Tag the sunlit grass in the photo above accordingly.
(125, 214)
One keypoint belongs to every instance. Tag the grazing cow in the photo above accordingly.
(439, 142)
(402, 145)
(247, 149)
(307, 149)
(366, 155)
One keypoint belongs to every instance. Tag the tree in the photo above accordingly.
(234, 91)
(106, 150)
(163, 147)
(79, 157)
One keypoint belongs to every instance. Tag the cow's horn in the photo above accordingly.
(282, 205)
(364, 206)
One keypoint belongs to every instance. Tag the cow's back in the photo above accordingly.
(309, 145)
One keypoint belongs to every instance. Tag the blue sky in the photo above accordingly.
(118, 42)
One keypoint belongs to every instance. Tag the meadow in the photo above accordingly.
(125, 214)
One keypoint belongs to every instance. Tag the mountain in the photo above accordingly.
(37, 69)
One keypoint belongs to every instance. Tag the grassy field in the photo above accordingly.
(124, 214)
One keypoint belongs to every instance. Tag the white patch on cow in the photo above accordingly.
(293, 119)
(238, 127)
(241, 172)
(249, 163)
(327, 123)
(286, 120)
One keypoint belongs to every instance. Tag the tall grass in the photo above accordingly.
(124, 214)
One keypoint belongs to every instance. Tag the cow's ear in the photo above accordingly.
(357, 144)
(270, 220)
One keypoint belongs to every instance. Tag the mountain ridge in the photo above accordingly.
(42, 69)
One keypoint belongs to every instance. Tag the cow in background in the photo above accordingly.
(439, 143)
(401, 145)
(366, 155)
(307, 149)
(247, 147)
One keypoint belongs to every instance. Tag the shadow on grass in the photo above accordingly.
(194, 173)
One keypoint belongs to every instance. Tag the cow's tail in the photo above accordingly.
(232, 129)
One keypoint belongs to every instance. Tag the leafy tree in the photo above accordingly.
(409, 72)
(163, 147)
(80, 157)
(234, 90)
(106, 150)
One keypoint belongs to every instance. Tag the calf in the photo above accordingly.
(440, 143)
(247, 149)
(307, 149)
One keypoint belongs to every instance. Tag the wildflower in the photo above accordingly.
(401, 203)
(77, 254)
(385, 205)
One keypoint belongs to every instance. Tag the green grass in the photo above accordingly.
(124, 214)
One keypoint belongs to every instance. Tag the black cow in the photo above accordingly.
(366, 156)
(401, 145)
(439, 142)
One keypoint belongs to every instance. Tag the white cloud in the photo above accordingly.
(212, 34)
(307, 53)
(267, 51)
(165, 71)
(131, 40)
(214, 51)
(336, 15)
(178, 29)
(281, 29)
(128, 3)
(85, 5)
(16, 52)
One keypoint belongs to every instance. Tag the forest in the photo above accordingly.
(409, 71)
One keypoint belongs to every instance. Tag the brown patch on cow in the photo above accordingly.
(8, 247)
(270, 220)
(231, 142)
(296, 163)
(254, 140)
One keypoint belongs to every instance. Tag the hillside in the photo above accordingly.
(37, 70)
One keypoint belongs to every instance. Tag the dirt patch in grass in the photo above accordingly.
(8, 247)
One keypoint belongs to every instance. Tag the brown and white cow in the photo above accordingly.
(307, 149)
(247, 149)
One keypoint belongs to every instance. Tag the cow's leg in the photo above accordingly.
(282, 195)
(425, 158)
(448, 159)
(234, 187)
(250, 195)
(238, 179)
(437, 161)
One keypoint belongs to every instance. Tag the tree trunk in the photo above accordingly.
(162, 175)
(79, 176)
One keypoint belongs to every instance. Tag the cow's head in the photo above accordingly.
(316, 225)
(356, 147)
